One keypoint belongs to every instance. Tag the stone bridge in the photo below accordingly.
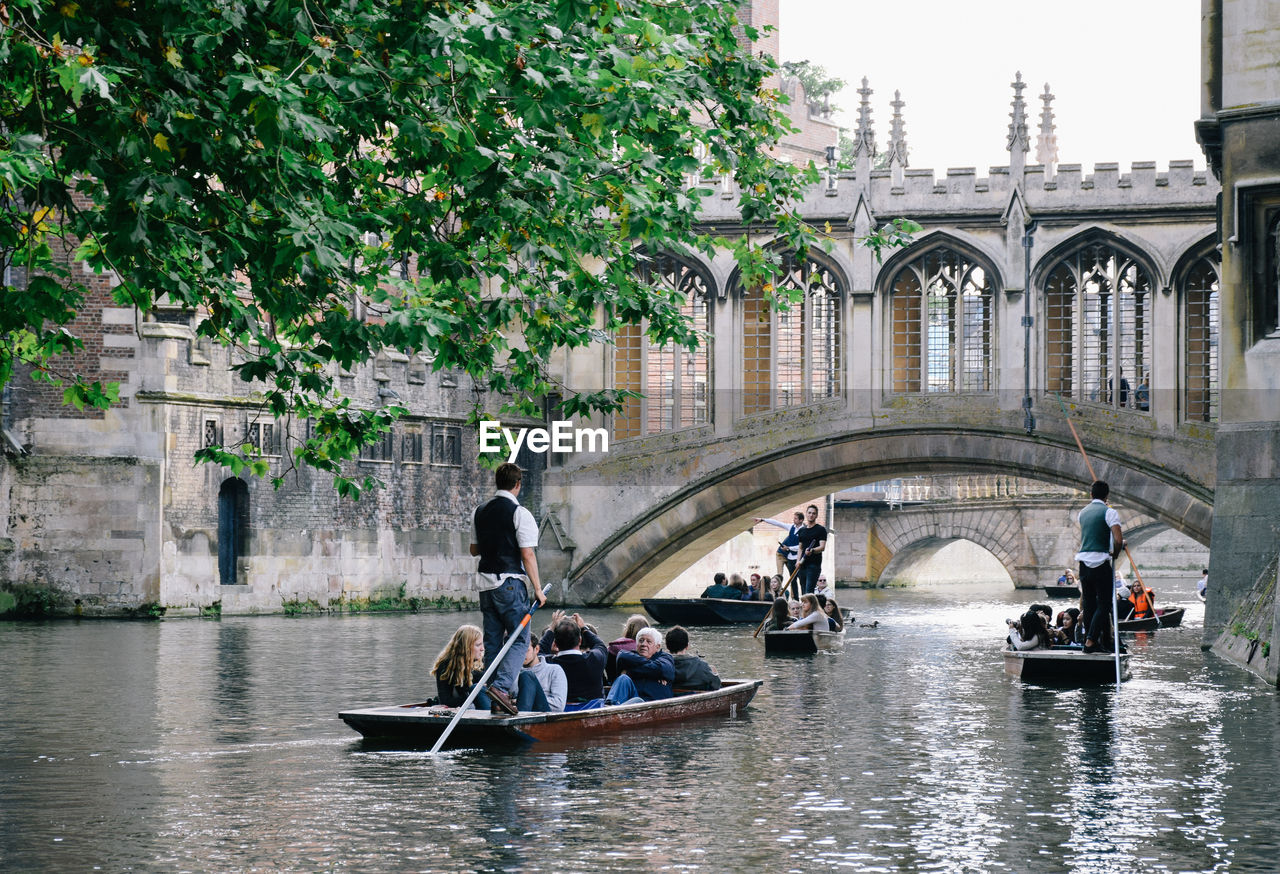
(1033, 538)
(650, 508)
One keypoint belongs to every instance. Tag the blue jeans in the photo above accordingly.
(531, 696)
(623, 691)
(808, 578)
(503, 608)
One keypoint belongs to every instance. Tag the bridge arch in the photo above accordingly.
(647, 550)
(918, 553)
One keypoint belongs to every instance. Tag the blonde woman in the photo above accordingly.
(814, 619)
(459, 666)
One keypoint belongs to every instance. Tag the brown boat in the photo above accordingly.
(421, 725)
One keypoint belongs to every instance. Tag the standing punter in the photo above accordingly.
(813, 540)
(504, 537)
(1100, 543)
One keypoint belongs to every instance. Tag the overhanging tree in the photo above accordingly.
(270, 164)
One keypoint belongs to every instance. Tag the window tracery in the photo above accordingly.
(674, 381)
(941, 309)
(1098, 328)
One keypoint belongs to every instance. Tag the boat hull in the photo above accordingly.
(418, 725)
(1171, 617)
(1150, 623)
(1062, 592)
(1065, 666)
(803, 642)
(705, 611)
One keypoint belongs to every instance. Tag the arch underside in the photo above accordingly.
(656, 545)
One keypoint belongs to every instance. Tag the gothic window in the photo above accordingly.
(792, 356)
(1200, 314)
(1097, 326)
(673, 381)
(1267, 301)
(212, 435)
(940, 325)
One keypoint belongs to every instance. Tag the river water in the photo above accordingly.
(203, 745)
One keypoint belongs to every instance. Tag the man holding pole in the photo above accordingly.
(504, 537)
(1100, 542)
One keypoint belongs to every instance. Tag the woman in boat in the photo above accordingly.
(459, 666)
(814, 619)
(1029, 632)
(626, 643)
(835, 619)
(779, 616)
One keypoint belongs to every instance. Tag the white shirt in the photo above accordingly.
(1094, 559)
(816, 621)
(526, 534)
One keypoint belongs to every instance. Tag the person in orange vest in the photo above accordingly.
(1143, 600)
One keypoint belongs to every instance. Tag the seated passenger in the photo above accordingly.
(692, 672)
(626, 643)
(814, 619)
(835, 618)
(547, 695)
(754, 588)
(719, 588)
(583, 669)
(646, 673)
(458, 667)
(1029, 632)
(794, 608)
(1141, 600)
(779, 616)
(1068, 627)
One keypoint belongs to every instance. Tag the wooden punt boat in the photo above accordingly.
(420, 725)
(705, 611)
(1064, 665)
(803, 641)
(1062, 591)
(1166, 617)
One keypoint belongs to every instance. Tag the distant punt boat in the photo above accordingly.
(420, 725)
(1062, 591)
(1166, 617)
(1065, 666)
(802, 641)
(705, 611)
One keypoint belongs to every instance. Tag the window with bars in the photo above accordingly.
(673, 380)
(1200, 315)
(792, 356)
(1097, 324)
(212, 435)
(446, 445)
(941, 324)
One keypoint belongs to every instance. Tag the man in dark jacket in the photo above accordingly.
(581, 654)
(647, 673)
(720, 588)
(692, 672)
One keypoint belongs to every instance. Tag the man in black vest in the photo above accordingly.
(504, 537)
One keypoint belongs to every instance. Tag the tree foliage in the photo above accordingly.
(819, 85)
(273, 165)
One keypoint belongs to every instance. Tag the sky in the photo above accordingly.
(1125, 73)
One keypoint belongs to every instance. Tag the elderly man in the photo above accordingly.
(647, 673)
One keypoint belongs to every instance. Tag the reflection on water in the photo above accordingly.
(214, 746)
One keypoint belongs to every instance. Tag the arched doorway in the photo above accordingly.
(233, 529)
